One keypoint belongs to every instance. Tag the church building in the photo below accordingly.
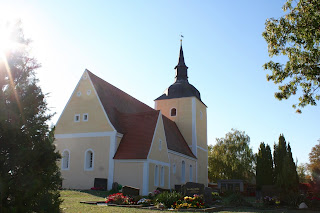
(104, 132)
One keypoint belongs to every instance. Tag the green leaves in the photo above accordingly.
(296, 35)
(231, 157)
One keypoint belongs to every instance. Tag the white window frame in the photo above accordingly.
(156, 175)
(162, 176)
(183, 171)
(171, 111)
(86, 159)
(75, 116)
(190, 173)
(63, 160)
(85, 114)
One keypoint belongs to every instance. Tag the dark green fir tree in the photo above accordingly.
(264, 166)
(286, 176)
(29, 175)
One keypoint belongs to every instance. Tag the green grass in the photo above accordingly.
(71, 204)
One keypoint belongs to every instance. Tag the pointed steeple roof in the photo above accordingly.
(181, 87)
(181, 68)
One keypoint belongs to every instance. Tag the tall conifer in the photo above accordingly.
(264, 167)
(29, 175)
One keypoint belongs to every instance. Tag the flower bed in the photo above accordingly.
(189, 202)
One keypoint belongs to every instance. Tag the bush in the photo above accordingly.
(294, 199)
(168, 198)
(236, 199)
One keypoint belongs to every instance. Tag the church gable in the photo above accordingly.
(83, 112)
(159, 150)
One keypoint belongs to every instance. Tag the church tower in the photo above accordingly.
(181, 102)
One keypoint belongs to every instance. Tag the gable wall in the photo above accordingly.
(155, 153)
(97, 121)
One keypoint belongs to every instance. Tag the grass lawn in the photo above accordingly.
(71, 203)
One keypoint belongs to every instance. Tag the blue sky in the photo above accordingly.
(134, 45)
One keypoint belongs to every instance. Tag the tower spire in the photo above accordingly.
(181, 68)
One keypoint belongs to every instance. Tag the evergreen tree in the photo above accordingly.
(286, 176)
(264, 167)
(29, 175)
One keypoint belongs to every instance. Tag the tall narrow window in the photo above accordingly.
(162, 176)
(85, 117)
(174, 168)
(89, 160)
(173, 112)
(190, 173)
(156, 176)
(183, 172)
(65, 160)
(77, 118)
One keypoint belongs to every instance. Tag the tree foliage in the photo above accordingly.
(303, 173)
(264, 167)
(314, 166)
(231, 157)
(29, 175)
(286, 177)
(296, 35)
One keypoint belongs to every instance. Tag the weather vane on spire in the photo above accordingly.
(181, 36)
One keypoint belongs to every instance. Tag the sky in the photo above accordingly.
(134, 45)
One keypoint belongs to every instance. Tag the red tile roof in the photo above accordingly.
(139, 130)
(136, 121)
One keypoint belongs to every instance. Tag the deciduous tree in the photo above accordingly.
(29, 175)
(296, 35)
(231, 157)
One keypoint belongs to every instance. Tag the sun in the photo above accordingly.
(7, 43)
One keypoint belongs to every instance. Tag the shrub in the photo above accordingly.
(236, 199)
(168, 198)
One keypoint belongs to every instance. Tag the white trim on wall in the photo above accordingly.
(159, 162)
(84, 135)
(145, 179)
(95, 92)
(181, 155)
(194, 127)
(205, 150)
(112, 151)
(70, 98)
(154, 134)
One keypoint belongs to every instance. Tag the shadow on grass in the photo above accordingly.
(98, 193)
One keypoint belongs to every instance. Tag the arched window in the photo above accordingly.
(156, 176)
(162, 176)
(65, 160)
(190, 173)
(173, 112)
(183, 172)
(160, 144)
(201, 115)
(89, 160)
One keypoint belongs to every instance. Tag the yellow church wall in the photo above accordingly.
(201, 124)
(157, 153)
(184, 107)
(83, 100)
(176, 177)
(152, 186)
(77, 177)
(202, 166)
(129, 173)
